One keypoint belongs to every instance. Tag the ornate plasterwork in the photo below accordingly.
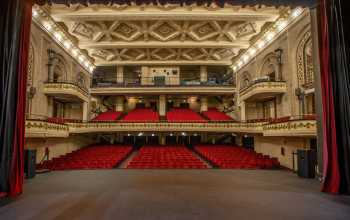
(305, 69)
(157, 33)
(162, 54)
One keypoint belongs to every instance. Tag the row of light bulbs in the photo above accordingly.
(280, 26)
(61, 38)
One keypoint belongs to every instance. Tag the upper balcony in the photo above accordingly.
(160, 85)
(67, 90)
(262, 89)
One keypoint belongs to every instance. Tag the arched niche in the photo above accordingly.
(57, 67)
(270, 67)
(245, 80)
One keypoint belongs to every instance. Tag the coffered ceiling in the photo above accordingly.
(148, 35)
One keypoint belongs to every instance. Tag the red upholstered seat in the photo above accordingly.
(229, 157)
(215, 115)
(165, 157)
(108, 116)
(183, 115)
(141, 115)
(93, 157)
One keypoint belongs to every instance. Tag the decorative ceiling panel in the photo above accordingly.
(157, 33)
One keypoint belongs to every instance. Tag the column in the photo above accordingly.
(162, 105)
(204, 74)
(120, 74)
(243, 111)
(162, 140)
(119, 105)
(85, 111)
(204, 104)
(318, 89)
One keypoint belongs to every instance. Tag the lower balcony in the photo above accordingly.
(44, 129)
(259, 91)
(66, 90)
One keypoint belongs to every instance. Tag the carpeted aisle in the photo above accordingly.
(174, 194)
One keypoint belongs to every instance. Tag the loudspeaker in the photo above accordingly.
(29, 163)
(306, 163)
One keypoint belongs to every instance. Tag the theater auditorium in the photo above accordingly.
(183, 109)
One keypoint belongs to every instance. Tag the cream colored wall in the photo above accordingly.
(288, 103)
(272, 146)
(41, 42)
(57, 146)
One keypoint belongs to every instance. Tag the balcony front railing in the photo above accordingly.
(259, 81)
(76, 84)
(156, 81)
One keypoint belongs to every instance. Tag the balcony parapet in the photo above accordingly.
(44, 129)
(262, 89)
(67, 89)
(294, 128)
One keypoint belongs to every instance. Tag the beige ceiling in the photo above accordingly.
(134, 35)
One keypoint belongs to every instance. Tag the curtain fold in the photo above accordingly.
(17, 161)
(10, 23)
(15, 22)
(335, 79)
(339, 61)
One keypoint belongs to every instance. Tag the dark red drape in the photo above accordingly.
(17, 163)
(330, 159)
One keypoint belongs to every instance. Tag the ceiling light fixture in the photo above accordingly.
(48, 24)
(278, 28)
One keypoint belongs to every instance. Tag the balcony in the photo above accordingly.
(67, 90)
(161, 85)
(261, 90)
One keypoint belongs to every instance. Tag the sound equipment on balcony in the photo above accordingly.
(30, 163)
(306, 163)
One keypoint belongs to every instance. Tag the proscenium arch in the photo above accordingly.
(305, 72)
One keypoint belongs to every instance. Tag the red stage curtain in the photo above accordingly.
(17, 169)
(330, 159)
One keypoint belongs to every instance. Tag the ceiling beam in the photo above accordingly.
(166, 15)
(239, 44)
(165, 62)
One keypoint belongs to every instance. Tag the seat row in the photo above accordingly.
(92, 157)
(165, 157)
(229, 157)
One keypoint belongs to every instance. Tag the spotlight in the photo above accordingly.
(282, 25)
(296, 12)
(140, 134)
(270, 36)
(171, 134)
(35, 13)
(67, 44)
(261, 44)
(75, 52)
(129, 135)
(81, 58)
(183, 134)
(58, 36)
(252, 51)
(47, 25)
(245, 58)
(152, 135)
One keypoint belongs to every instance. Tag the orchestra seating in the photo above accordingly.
(141, 115)
(165, 157)
(92, 157)
(183, 115)
(229, 157)
(215, 115)
(108, 116)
